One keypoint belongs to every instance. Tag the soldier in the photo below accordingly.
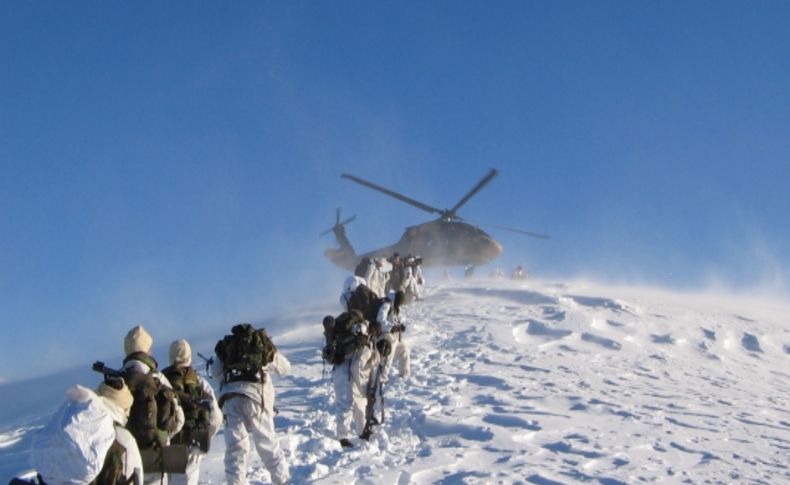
(389, 322)
(155, 416)
(246, 361)
(118, 401)
(350, 350)
(377, 276)
(519, 273)
(202, 416)
(395, 282)
(413, 280)
(85, 441)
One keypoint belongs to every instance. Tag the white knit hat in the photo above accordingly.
(122, 397)
(137, 340)
(180, 353)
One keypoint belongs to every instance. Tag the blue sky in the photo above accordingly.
(172, 164)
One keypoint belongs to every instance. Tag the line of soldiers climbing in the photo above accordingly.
(146, 426)
(386, 276)
(364, 341)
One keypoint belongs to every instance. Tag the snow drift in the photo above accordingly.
(532, 382)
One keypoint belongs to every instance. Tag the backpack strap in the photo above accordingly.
(112, 470)
(142, 357)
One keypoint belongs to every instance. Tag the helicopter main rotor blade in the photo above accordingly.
(493, 173)
(520, 231)
(396, 195)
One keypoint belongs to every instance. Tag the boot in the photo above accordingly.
(345, 443)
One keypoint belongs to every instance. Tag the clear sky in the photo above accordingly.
(172, 163)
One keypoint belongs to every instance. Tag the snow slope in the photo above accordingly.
(538, 383)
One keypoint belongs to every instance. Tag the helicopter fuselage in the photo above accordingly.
(439, 243)
(447, 241)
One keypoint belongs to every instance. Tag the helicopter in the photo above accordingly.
(446, 241)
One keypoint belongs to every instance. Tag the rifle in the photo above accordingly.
(99, 367)
(373, 386)
(112, 377)
(209, 362)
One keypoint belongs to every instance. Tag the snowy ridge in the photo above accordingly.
(545, 383)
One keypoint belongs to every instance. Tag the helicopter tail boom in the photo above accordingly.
(344, 255)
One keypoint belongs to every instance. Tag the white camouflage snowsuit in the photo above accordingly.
(413, 281)
(400, 349)
(249, 410)
(94, 422)
(377, 276)
(351, 379)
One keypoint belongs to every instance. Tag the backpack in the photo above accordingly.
(340, 339)
(152, 416)
(366, 301)
(244, 353)
(187, 387)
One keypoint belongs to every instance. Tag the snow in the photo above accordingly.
(530, 382)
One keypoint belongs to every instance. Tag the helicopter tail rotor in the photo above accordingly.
(338, 224)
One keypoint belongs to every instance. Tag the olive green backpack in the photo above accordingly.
(244, 353)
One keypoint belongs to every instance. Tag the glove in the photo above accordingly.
(398, 328)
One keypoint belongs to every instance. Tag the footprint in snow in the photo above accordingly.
(562, 447)
(432, 428)
(508, 421)
(750, 343)
(705, 350)
(541, 329)
(662, 339)
(602, 341)
(539, 479)
(464, 477)
(551, 313)
(485, 381)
